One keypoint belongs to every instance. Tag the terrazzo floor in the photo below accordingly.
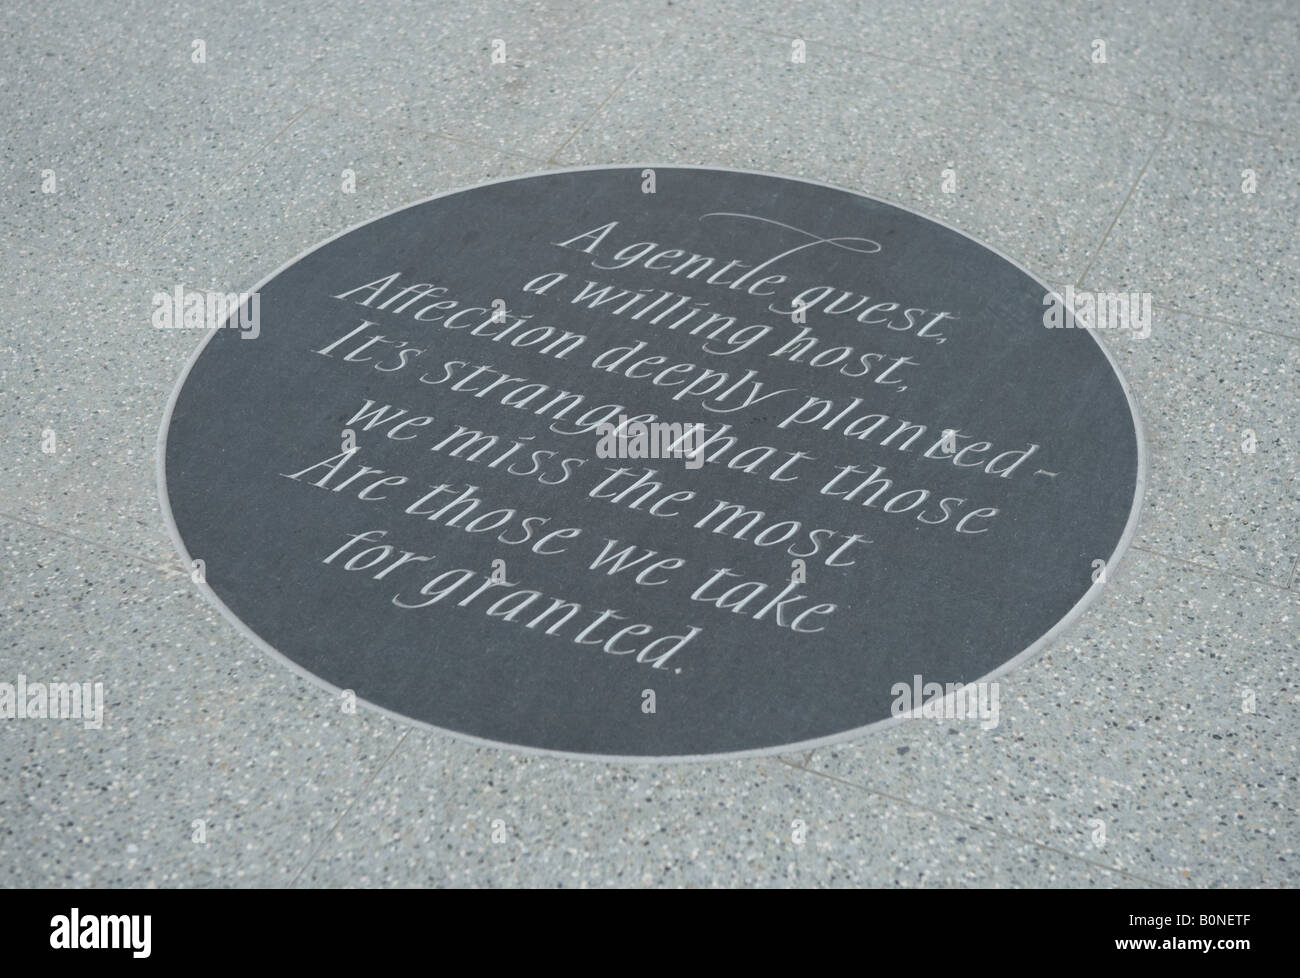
(1153, 745)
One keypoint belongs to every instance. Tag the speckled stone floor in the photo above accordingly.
(1154, 744)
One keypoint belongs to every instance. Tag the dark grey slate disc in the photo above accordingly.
(1012, 451)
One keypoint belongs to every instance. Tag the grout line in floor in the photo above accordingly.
(1155, 147)
(1275, 137)
(357, 795)
(160, 565)
(554, 158)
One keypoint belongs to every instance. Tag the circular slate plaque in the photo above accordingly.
(638, 463)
